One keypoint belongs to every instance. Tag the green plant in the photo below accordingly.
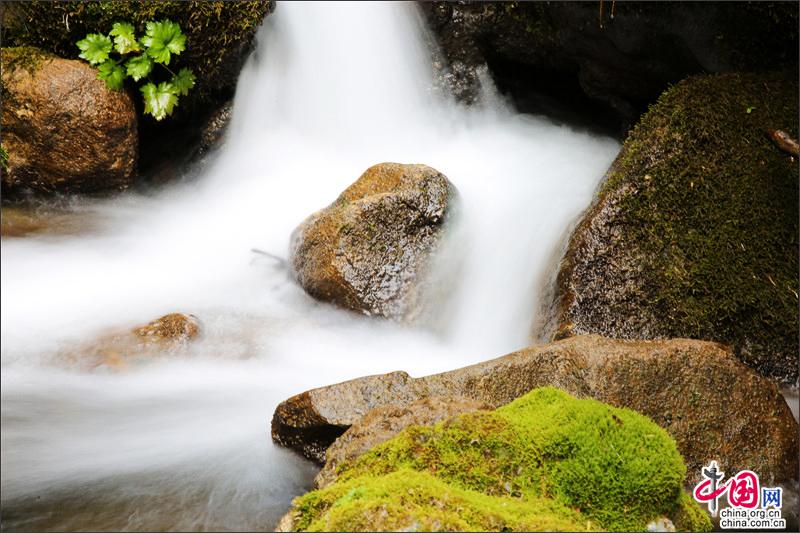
(137, 58)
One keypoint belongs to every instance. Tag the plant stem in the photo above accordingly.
(168, 69)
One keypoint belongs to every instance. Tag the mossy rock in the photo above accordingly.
(217, 33)
(546, 461)
(695, 231)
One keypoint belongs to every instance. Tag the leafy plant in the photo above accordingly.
(136, 58)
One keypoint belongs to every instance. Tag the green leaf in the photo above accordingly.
(183, 81)
(124, 38)
(159, 101)
(139, 66)
(163, 39)
(112, 73)
(95, 48)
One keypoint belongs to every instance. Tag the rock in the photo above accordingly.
(212, 134)
(382, 423)
(368, 251)
(608, 60)
(117, 350)
(22, 220)
(545, 462)
(712, 405)
(171, 328)
(691, 233)
(64, 131)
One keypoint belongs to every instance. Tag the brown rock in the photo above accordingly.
(22, 220)
(64, 131)
(368, 250)
(714, 406)
(383, 423)
(117, 350)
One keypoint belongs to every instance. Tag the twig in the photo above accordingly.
(279, 260)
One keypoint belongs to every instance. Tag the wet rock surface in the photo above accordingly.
(368, 251)
(169, 334)
(64, 131)
(712, 405)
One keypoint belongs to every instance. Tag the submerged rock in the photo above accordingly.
(545, 462)
(64, 131)
(168, 334)
(382, 423)
(712, 405)
(694, 232)
(368, 251)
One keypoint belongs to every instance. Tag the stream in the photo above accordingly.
(183, 442)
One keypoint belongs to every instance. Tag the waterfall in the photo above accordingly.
(183, 442)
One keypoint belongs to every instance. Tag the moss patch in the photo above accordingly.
(215, 31)
(545, 461)
(25, 57)
(714, 212)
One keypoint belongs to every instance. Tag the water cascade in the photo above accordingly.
(183, 442)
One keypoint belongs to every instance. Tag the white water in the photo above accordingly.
(184, 442)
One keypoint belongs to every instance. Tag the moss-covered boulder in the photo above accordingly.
(63, 129)
(607, 61)
(695, 230)
(714, 406)
(369, 250)
(545, 462)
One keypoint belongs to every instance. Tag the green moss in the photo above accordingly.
(714, 212)
(688, 516)
(407, 500)
(215, 31)
(25, 57)
(580, 463)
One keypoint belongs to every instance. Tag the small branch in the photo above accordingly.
(784, 142)
(280, 260)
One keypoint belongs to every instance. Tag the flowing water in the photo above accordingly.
(183, 442)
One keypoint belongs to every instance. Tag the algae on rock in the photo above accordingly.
(546, 461)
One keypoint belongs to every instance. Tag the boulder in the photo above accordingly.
(545, 462)
(713, 406)
(64, 131)
(694, 231)
(606, 60)
(368, 251)
(117, 350)
(382, 423)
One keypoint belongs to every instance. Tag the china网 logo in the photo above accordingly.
(751, 506)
